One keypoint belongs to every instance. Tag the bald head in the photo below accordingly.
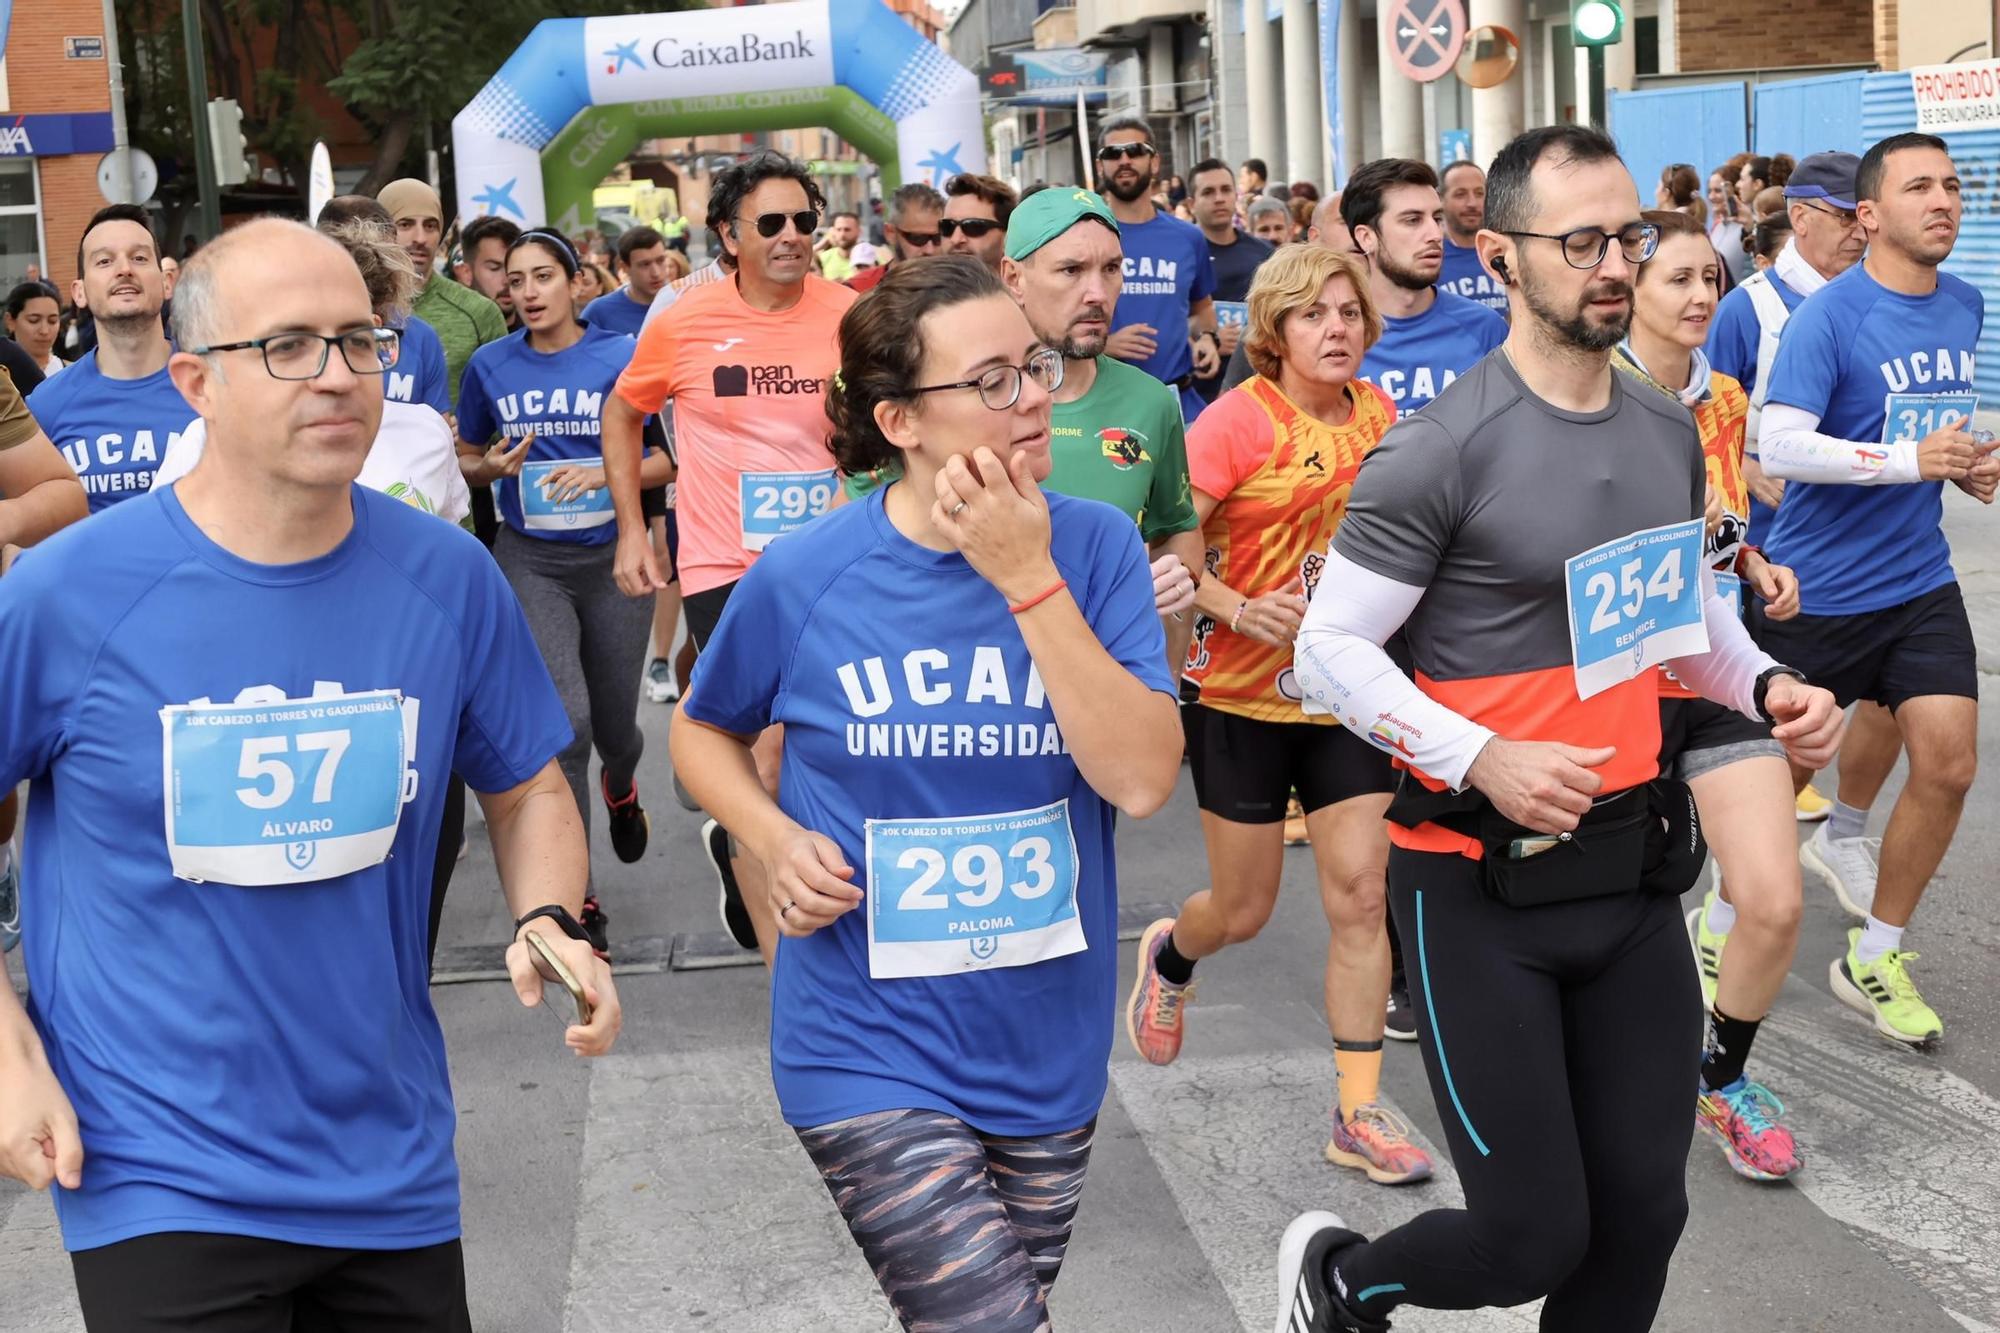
(250, 261)
(1327, 227)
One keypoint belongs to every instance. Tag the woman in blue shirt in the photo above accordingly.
(969, 674)
(528, 413)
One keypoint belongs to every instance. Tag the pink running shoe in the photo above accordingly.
(1153, 1016)
(1743, 1119)
(1377, 1141)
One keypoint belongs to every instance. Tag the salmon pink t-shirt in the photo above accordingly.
(749, 394)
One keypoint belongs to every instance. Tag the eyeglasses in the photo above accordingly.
(770, 224)
(974, 228)
(918, 240)
(303, 356)
(1840, 215)
(1586, 246)
(1000, 387)
(1111, 152)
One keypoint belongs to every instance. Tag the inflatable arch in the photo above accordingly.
(579, 93)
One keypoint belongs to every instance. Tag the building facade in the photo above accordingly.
(55, 128)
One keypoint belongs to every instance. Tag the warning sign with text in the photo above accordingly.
(1957, 98)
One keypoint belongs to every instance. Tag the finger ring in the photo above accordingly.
(786, 908)
(957, 507)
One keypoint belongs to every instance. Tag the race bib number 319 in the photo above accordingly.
(286, 792)
(1634, 603)
(958, 895)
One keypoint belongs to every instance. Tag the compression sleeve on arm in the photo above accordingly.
(1791, 448)
(1340, 664)
(1728, 671)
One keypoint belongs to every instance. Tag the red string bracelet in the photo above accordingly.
(1018, 607)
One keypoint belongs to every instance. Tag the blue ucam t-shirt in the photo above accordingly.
(252, 1050)
(1463, 275)
(1167, 269)
(617, 312)
(419, 374)
(113, 432)
(1875, 366)
(977, 975)
(509, 389)
(1416, 358)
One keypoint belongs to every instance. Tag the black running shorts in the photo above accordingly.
(1245, 770)
(1903, 652)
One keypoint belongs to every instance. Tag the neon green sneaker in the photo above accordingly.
(1707, 950)
(1883, 991)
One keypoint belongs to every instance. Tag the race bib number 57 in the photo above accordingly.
(289, 791)
(1633, 603)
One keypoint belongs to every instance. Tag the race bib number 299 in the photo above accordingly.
(289, 791)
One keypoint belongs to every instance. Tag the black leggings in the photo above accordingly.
(1562, 1044)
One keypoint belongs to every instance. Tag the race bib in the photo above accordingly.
(1912, 416)
(1232, 314)
(775, 503)
(947, 896)
(289, 791)
(1633, 603)
(541, 513)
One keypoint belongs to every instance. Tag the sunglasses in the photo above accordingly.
(770, 224)
(1111, 152)
(974, 228)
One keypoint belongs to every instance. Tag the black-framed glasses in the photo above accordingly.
(303, 356)
(1000, 387)
(1844, 217)
(1586, 246)
(1111, 152)
(974, 228)
(770, 224)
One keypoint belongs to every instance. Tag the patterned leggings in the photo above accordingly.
(963, 1230)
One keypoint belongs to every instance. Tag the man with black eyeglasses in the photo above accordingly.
(1165, 323)
(911, 232)
(238, 698)
(976, 211)
(745, 360)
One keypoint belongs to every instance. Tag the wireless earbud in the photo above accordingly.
(1500, 269)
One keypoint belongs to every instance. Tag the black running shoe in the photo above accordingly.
(1307, 1302)
(735, 916)
(630, 828)
(1401, 1024)
(594, 924)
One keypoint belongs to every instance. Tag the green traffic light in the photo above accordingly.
(1596, 22)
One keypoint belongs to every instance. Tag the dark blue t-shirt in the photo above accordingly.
(1875, 366)
(1463, 275)
(113, 432)
(617, 312)
(978, 975)
(256, 1057)
(1416, 358)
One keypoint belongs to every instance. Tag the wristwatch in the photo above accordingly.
(569, 925)
(1763, 687)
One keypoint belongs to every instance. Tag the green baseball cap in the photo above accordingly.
(1047, 214)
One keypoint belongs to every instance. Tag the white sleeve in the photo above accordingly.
(1727, 673)
(456, 506)
(183, 452)
(1339, 662)
(1791, 448)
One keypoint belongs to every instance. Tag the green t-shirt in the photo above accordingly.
(1123, 443)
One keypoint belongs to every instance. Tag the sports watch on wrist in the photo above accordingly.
(571, 927)
(1763, 687)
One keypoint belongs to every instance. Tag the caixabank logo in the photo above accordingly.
(763, 382)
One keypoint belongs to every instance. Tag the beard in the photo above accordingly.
(1081, 347)
(1140, 186)
(1575, 327)
(1408, 279)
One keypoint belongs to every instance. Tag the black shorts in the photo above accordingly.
(653, 502)
(704, 612)
(1245, 770)
(1698, 736)
(1890, 656)
(203, 1283)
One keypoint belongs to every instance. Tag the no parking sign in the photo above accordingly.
(1425, 36)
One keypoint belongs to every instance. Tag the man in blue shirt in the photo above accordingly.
(1429, 337)
(116, 410)
(1870, 399)
(1463, 188)
(1165, 322)
(238, 700)
(419, 375)
(1233, 252)
(642, 257)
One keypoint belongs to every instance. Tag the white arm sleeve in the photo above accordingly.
(183, 452)
(1728, 671)
(1339, 661)
(1791, 448)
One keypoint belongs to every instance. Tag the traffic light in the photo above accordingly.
(1596, 22)
(225, 137)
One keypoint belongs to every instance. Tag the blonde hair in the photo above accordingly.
(386, 269)
(1287, 283)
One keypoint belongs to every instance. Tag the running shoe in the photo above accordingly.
(1811, 807)
(1377, 1141)
(630, 828)
(735, 916)
(1707, 949)
(660, 682)
(10, 906)
(1401, 1023)
(1154, 1016)
(1307, 1303)
(1847, 865)
(1883, 991)
(1743, 1119)
(1295, 824)
(596, 925)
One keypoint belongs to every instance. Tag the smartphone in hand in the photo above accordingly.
(561, 989)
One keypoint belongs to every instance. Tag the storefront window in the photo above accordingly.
(20, 232)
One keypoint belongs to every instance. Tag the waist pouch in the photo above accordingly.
(1646, 839)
